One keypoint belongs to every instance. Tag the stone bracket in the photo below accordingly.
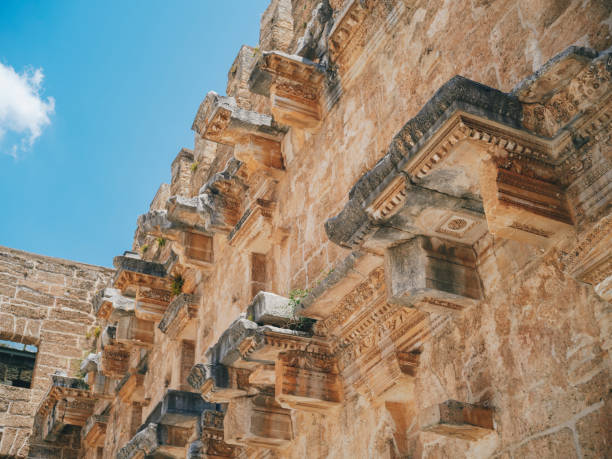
(433, 275)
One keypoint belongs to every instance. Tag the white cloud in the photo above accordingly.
(23, 111)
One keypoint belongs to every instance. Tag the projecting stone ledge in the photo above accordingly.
(457, 95)
(178, 409)
(109, 304)
(156, 223)
(270, 309)
(532, 181)
(254, 136)
(294, 85)
(132, 272)
(220, 199)
(68, 402)
(433, 275)
(258, 421)
(94, 431)
(245, 342)
(180, 311)
(155, 441)
(458, 420)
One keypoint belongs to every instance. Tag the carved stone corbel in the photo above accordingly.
(255, 136)
(294, 85)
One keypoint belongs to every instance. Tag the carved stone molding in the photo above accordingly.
(294, 85)
(254, 232)
(254, 136)
(67, 402)
(345, 37)
(478, 136)
(109, 301)
(590, 260)
(177, 317)
(308, 381)
(523, 208)
(115, 361)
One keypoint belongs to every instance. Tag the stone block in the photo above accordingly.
(177, 318)
(131, 389)
(309, 382)
(276, 30)
(458, 420)
(219, 383)
(258, 421)
(523, 208)
(151, 303)
(132, 331)
(178, 409)
(156, 441)
(94, 431)
(254, 231)
(115, 361)
(433, 275)
(255, 136)
(294, 85)
(270, 309)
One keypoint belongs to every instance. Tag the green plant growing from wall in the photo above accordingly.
(177, 285)
(299, 323)
(194, 166)
(144, 249)
(161, 242)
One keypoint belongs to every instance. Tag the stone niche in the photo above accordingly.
(433, 275)
(458, 420)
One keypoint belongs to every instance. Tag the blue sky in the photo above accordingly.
(114, 85)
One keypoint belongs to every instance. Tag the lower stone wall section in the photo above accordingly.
(46, 302)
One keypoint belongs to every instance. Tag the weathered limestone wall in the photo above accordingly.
(536, 349)
(529, 348)
(46, 302)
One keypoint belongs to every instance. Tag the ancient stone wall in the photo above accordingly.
(46, 302)
(367, 255)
